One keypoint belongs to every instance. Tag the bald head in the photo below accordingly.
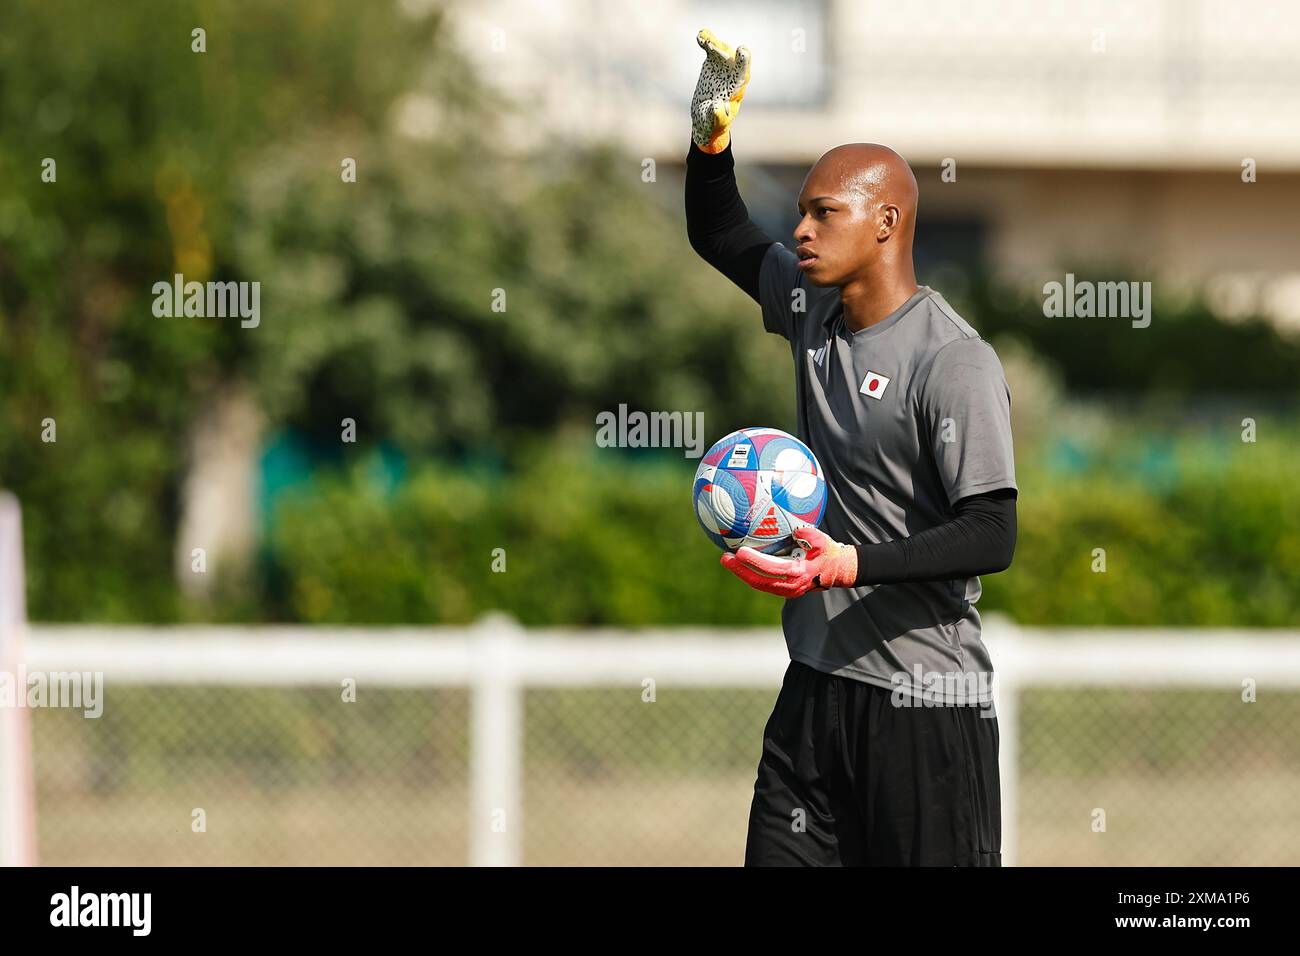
(871, 174)
(858, 204)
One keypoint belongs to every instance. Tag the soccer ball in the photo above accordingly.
(756, 487)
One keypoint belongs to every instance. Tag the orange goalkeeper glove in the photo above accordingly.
(825, 564)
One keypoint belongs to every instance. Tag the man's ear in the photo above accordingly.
(890, 217)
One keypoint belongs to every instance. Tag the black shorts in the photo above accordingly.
(848, 778)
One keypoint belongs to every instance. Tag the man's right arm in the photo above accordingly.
(717, 222)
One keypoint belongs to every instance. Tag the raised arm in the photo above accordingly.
(717, 222)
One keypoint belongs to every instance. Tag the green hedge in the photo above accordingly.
(594, 538)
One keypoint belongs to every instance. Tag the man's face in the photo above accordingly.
(837, 234)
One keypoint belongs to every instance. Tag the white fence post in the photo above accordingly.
(17, 799)
(1003, 642)
(496, 744)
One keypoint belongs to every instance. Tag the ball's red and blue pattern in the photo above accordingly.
(755, 488)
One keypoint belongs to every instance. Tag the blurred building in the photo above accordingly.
(1082, 134)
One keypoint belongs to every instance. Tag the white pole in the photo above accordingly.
(496, 745)
(17, 797)
(1005, 647)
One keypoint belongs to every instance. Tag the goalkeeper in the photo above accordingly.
(882, 748)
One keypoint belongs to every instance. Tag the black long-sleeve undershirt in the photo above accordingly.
(717, 222)
(981, 538)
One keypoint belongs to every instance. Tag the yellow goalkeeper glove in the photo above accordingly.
(718, 92)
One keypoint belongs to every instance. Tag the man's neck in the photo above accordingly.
(873, 299)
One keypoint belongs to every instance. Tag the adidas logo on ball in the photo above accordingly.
(755, 488)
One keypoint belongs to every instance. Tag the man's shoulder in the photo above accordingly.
(947, 340)
(944, 325)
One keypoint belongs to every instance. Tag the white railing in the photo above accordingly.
(498, 659)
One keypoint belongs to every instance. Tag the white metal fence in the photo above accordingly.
(497, 746)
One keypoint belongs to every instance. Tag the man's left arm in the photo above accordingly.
(979, 539)
(965, 408)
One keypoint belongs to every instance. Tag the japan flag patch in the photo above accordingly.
(874, 385)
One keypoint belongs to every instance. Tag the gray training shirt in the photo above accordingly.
(906, 417)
